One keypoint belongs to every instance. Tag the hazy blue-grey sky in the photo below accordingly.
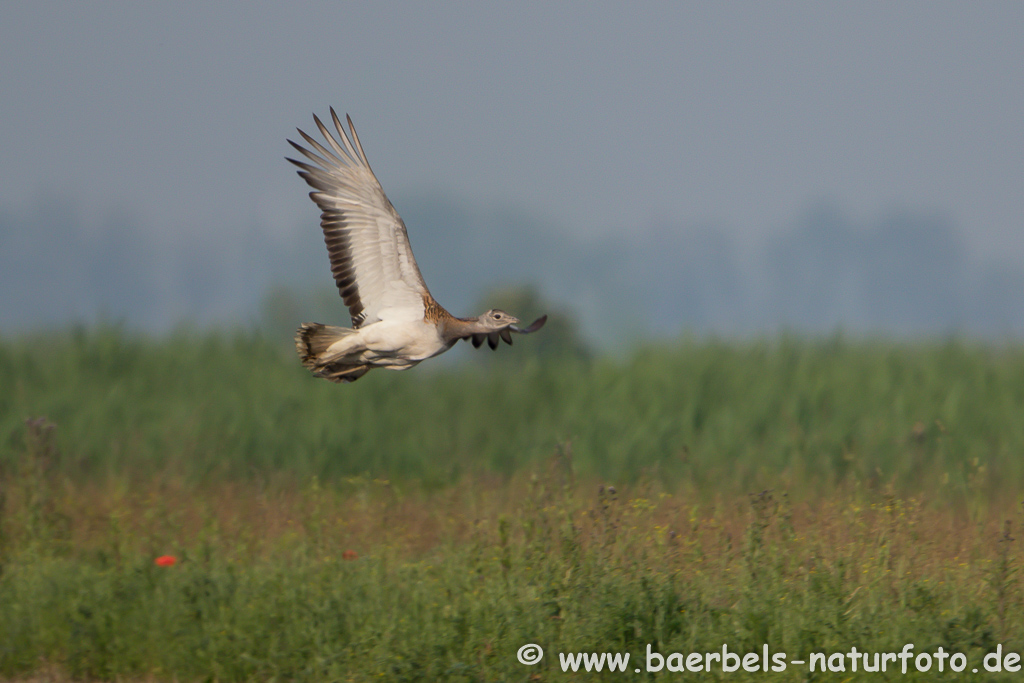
(596, 116)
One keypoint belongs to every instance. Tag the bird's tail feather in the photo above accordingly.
(313, 339)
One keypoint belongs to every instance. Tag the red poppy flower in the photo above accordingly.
(165, 561)
(349, 555)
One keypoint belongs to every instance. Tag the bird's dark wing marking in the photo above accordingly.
(371, 259)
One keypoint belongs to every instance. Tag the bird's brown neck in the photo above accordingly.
(454, 328)
(450, 328)
(434, 312)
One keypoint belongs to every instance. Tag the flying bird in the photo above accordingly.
(396, 323)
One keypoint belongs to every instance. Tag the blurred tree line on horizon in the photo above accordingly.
(904, 273)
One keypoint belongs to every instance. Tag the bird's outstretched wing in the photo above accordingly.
(371, 258)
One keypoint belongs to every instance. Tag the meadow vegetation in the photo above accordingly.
(804, 495)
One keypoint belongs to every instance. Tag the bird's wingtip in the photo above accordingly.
(533, 327)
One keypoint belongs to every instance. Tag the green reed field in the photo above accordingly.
(807, 496)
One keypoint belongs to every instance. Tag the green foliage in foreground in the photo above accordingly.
(559, 570)
(175, 446)
(707, 415)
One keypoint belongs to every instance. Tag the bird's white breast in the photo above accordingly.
(411, 340)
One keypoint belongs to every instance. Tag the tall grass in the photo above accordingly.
(358, 581)
(941, 417)
(807, 496)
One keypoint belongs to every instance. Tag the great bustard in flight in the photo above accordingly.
(396, 323)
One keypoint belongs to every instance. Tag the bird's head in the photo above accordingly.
(496, 324)
(495, 319)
